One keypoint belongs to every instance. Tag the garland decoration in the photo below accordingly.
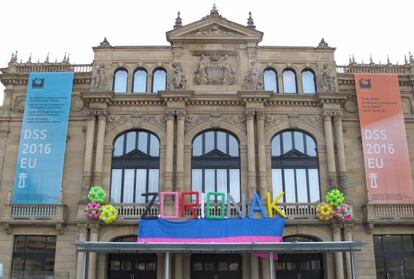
(325, 211)
(92, 210)
(97, 194)
(344, 213)
(334, 206)
(335, 197)
(108, 214)
(96, 210)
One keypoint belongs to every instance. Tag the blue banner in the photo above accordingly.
(39, 167)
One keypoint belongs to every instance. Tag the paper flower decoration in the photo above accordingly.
(97, 194)
(324, 211)
(334, 197)
(92, 210)
(344, 213)
(108, 214)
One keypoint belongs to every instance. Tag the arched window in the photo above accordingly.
(140, 81)
(135, 166)
(216, 163)
(295, 168)
(308, 82)
(159, 80)
(289, 82)
(120, 81)
(270, 80)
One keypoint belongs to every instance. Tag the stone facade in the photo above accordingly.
(214, 69)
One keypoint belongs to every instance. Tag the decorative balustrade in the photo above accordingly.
(388, 212)
(53, 67)
(388, 69)
(33, 211)
(292, 210)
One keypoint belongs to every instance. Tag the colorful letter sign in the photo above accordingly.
(41, 154)
(387, 163)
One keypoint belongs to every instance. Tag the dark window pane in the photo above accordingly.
(289, 82)
(35, 243)
(51, 243)
(120, 81)
(308, 82)
(395, 268)
(408, 243)
(49, 264)
(18, 264)
(208, 267)
(159, 81)
(409, 267)
(115, 265)
(270, 81)
(392, 243)
(198, 267)
(140, 81)
(33, 264)
(19, 243)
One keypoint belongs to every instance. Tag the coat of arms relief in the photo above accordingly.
(214, 69)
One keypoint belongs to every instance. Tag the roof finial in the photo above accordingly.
(68, 58)
(353, 59)
(370, 59)
(47, 58)
(178, 21)
(323, 44)
(105, 43)
(410, 57)
(29, 60)
(214, 11)
(388, 60)
(250, 21)
(405, 59)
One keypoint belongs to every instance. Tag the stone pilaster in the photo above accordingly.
(251, 155)
(339, 264)
(327, 116)
(179, 183)
(340, 147)
(169, 152)
(82, 236)
(348, 237)
(94, 231)
(254, 267)
(100, 140)
(261, 148)
(4, 132)
(88, 156)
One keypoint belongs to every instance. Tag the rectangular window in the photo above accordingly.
(394, 256)
(33, 256)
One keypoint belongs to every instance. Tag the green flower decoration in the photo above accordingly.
(335, 197)
(97, 194)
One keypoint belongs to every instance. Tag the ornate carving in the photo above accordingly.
(312, 120)
(253, 79)
(177, 80)
(99, 81)
(105, 43)
(20, 104)
(272, 120)
(115, 120)
(323, 44)
(351, 105)
(193, 120)
(328, 80)
(76, 104)
(214, 69)
(293, 120)
(214, 30)
(178, 21)
(215, 119)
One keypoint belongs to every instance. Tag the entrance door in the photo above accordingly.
(299, 266)
(215, 266)
(132, 266)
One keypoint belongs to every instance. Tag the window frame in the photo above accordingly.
(135, 160)
(114, 79)
(314, 81)
(293, 159)
(295, 78)
(276, 79)
(146, 80)
(153, 78)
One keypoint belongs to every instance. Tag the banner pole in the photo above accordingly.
(167, 266)
(271, 268)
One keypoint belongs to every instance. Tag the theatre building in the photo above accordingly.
(211, 111)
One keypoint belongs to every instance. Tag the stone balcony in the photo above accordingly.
(377, 214)
(34, 214)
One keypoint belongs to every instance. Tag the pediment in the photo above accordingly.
(214, 29)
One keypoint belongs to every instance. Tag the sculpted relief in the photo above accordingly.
(214, 69)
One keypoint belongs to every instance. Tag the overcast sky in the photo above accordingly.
(361, 27)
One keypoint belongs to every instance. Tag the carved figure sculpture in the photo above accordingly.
(253, 80)
(328, 80)
(100, 79)
(178, 80)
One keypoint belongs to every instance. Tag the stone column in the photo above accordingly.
(330, 148)
(87, 157)
(251, 154)
(340, 147)
(254, 267)
(348, 237)
(261, 146)
(100, 147)
(4, 132)
(178, 268)
(81, 237)
(92, 256)
(169, 150)
(179, 183)
(339, 264)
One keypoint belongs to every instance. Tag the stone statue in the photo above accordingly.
(328, 80)
(253, 79)
(177, 80)
(227, 72)
(99, 83)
